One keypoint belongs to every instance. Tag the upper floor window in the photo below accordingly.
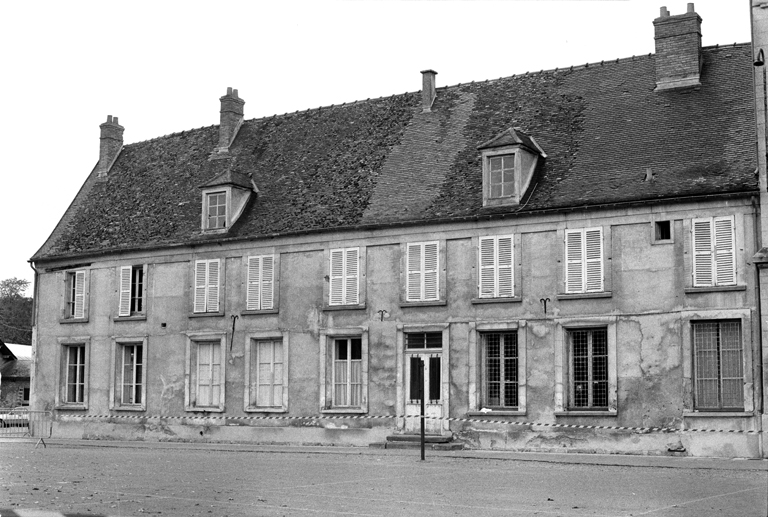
(502, 175)
(496, 276)
(75, 299)
(207, 285)
(216, 210)
(345, 276)
(714, 251)
(584, 260)
(261, 283)
(132, 290)
(423, 262)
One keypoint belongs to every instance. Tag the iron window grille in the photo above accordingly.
(588, 356)
(718, 365)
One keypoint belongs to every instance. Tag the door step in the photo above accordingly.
(413, 441)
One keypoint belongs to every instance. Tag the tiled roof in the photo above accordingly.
(602, 126)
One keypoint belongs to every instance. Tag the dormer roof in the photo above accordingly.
(231, 178)
(513, 136)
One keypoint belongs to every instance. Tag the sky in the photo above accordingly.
(161, 67)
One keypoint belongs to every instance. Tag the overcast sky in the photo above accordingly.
(161, 66)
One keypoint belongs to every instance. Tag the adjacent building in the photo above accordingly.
(570, 247)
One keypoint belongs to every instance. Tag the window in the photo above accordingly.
(132, 291)
(588, 368)
(216, 210)
(344, 370)
(345, 276)
(267, 384)
(25, 397)
(205, 369)
(207, 281)
(718, 365)
(714, 252)
(662, 231)
(423, 282)
(502, 175)
(584, 260)
(75, 295)
(261, 282)
(417, 340)
(496, 278)
(500, 370)
(347, 372)
(129, 374)
(73, 373)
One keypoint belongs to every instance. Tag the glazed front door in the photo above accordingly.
(430, 386)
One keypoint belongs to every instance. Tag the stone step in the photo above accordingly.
(429, 438)
(450, 446)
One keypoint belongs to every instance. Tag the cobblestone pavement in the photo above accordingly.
(219, 480)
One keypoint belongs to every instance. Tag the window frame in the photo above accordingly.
(191, 366)
(720, 378)
(258, 306)
(440, 275)
(62, 373)
(562, 275)
(126, 296)
(117, 371)
(328, 339)
(328, 291)
(563, 361)
(696, 282)
(69, 306)
(207, 194)
(251, 341)
(195, 288)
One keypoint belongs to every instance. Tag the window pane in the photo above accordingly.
(357, 349)
(434, 378)
(414, 387)
(341, 349)
(495, 163)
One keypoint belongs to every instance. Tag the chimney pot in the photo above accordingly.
(690, 7)
(428, 91)
(664, 12)
(229, 90)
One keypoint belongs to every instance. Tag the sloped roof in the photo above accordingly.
(379, 161)
(20, 363)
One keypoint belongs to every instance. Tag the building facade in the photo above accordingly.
(553, 250)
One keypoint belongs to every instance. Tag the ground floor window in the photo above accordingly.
(718, 365)
(347, 372)
(500, 370)
(129, 374)
(267, 363)
(73, 373)
(588, 358)
(205, 371)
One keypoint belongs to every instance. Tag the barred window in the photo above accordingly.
(588, 355)
(718, 364)
(500, 374)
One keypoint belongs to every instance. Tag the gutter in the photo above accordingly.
(395, 224)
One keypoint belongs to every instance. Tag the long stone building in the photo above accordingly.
(567, 248)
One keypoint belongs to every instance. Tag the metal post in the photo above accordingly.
(421, 391)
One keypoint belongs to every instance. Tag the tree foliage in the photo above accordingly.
(15, 312)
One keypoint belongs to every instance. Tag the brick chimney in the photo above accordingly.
(231, 118)
(678, 49)
(109, 146)
(428, 93)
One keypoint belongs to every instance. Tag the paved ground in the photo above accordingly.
(134, 479)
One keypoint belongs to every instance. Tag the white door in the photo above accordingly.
(430, 385)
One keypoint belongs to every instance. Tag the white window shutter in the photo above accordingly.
(574, 261)
(702, 253)
(337, 277)
(253, 291)
(431, 266)
(725, 251)
(414, 272)
(124, 307)
(594, 259)
(201, 269)
(79, 294)
(505, 257)
(351, 272)
(267, 282)
(212, 304)
(487, 276)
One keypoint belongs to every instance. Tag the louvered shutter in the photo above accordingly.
(253, 292)
(594, 263)
(487, 267)
(505, 254)
(212, 304)
(124, 308)
(414, 272)
(702, 253)
(267, 282)
(574, 261)
(725, 251)
(351, 272)
(201, 269)
(79, 294)
(431, 264)
(337, 277)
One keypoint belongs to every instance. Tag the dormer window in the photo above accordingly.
(509, 162)
(502, 175)
(217, 210)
